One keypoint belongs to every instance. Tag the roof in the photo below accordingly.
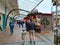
(39, 14)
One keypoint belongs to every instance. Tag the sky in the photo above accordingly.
(44, 7)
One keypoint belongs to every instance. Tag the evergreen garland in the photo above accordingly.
(45, 21)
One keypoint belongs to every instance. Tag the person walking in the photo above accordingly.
(23, 32)
(32, 31)
(11, 24)
(27, 25)
(19, 23)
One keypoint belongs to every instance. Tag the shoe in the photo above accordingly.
(22, 44)
(34, 42)
(30, 42)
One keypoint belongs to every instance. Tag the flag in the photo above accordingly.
(52, 13)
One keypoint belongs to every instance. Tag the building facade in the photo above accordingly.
(5, 7)
(43, 21)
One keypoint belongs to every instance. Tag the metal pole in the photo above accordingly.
(37, 4)
(56, 31)
(56, 13)
(5, 7)
(5, 14)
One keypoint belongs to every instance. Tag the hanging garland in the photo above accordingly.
(45, 21)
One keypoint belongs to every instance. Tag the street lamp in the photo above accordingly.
(5, 16)
(5, 7)
(56, 30)
(37, 4)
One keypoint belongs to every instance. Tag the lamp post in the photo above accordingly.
(37, 4)
(5, 16)
(5, 7)
(56, 30)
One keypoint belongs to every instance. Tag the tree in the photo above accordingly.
(45, 21)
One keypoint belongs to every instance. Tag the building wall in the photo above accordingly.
(10, 4)
(3, 16)
(2, 9)
(48, 27)
(1, 19)
(40, 27)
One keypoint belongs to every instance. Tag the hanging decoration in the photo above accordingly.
(45, 21)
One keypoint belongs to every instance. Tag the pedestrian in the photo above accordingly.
(27, 25)
(32, 31)
(11, 24)
(19, 23)
(23, 32)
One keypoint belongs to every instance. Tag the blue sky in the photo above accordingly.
(44, 7)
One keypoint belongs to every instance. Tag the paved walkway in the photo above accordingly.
(5, 36)
(47, 41)
(49, 36)
(15, 39)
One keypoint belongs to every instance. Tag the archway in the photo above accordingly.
(14, 10)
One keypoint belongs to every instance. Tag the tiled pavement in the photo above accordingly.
(49, 36)
(15, 39)
(26, 43)
(5, 36)
(46, 40)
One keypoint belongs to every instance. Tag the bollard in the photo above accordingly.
(56, 36)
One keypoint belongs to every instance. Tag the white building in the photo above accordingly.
(5, 7)
(58, 14)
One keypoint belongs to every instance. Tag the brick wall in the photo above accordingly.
(49, 18)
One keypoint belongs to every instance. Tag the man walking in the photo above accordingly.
(11, 24)
(32, 31)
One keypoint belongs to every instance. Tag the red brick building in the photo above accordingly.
(40, 17)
